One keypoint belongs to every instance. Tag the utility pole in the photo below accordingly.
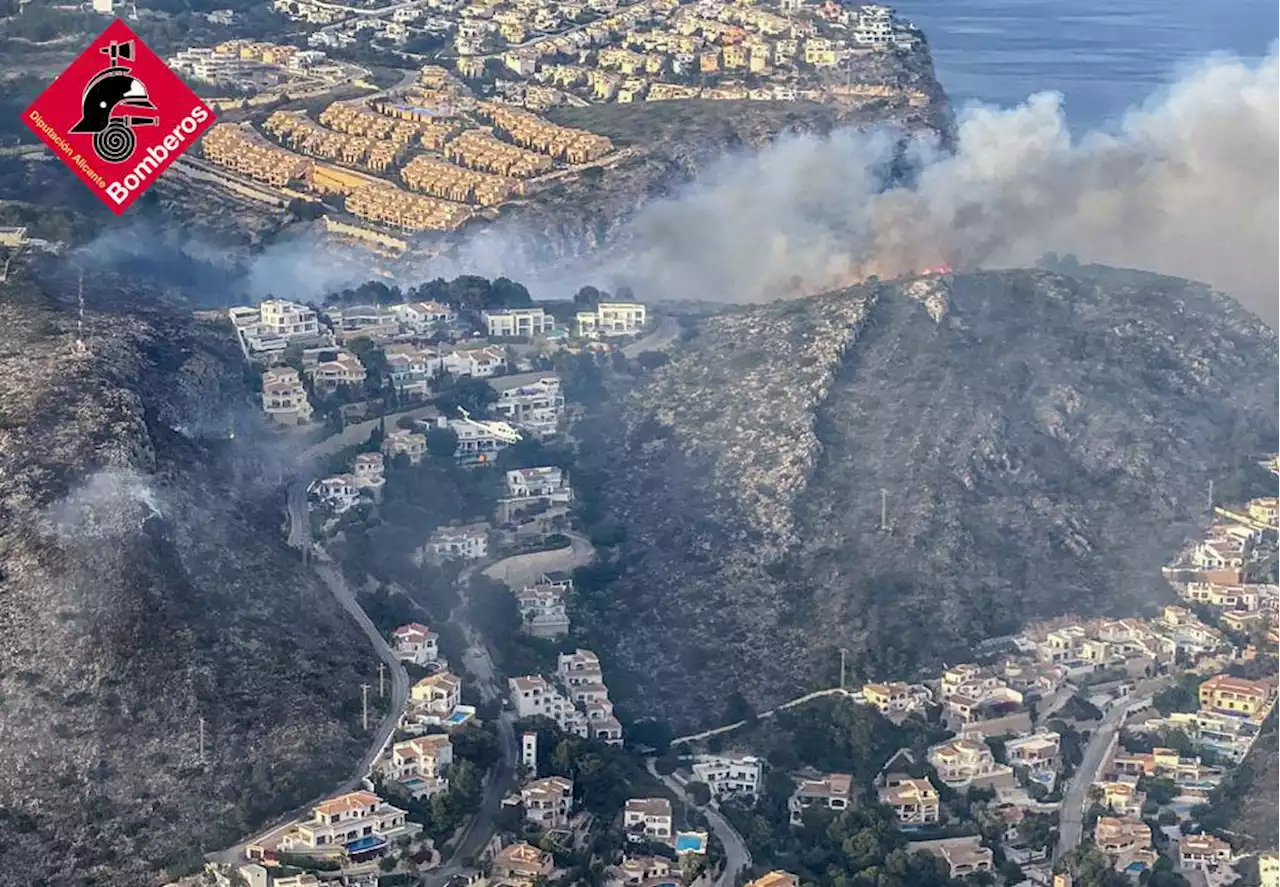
(382, 672)
(201, 740)
(364, 705)
(843, 653)
(1211, 496)
(884, 511)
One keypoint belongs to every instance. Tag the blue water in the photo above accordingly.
(1102, 55)
(368, 842)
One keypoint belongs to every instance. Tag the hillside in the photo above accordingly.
(1045, 443)
(144, 589)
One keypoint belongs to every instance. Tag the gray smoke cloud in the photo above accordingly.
(109, 505)
(1185, 185)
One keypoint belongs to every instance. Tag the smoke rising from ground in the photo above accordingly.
(110, 505)
(1186, 185)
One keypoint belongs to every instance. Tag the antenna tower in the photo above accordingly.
(364, 705)
(884, 511)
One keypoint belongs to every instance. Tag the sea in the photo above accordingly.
(1104, 56)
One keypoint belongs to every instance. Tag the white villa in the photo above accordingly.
(511, 322)
(611, 319)
(470, 542)
(339, 492)
(347, 818)
(416, 643)
(728, 776)
(273, 325)
(542, 611)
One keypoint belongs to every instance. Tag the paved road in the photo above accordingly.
(665, 333)
(333, 579)
(1070, 825)
(737, 857)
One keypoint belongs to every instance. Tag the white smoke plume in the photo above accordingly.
(110, 505)
(1185, 185)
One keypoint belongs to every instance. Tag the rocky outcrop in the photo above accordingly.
(1043, 445)
(142, 589)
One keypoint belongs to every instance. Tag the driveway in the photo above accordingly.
(667, 331)
(520, 570)
(737, 858)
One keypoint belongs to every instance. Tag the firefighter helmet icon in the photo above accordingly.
(111, 89)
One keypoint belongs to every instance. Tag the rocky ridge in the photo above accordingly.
(143, 590)
(1045, 443)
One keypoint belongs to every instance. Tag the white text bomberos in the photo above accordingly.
(156, 155)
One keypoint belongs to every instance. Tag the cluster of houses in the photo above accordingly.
(342, 492)
(576, 699)
(532, 402)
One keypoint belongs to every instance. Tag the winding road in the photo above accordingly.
(737, 858)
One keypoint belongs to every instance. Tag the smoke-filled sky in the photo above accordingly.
(1184, 185)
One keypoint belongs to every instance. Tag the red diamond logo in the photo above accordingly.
(118, 116)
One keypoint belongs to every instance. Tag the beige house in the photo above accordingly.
(548, 802)
(346, 818)
(1127, 841)
(343, 369)
(832, 790)
(416, 643)
(405, 443)
(369, 472)
(962, 760)
(913, 801)
(775, 878)
(1204, 852)
(1121, 798)
(522, 862)
(1039, 751)
(283, 397)
(437, 694)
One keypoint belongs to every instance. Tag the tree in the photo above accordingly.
(442, 443)
(699, 793)
(472, 395)
(738, 709)
(587, 297)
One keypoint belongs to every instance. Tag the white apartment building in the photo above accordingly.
(579, 667)
(534, 697)
(284, 398)
(649, 818)
(339, 492)
(542, 611)
(348, 818)
(532, 402)
(275, 323)
(510, 322)
(416, 643)
(727, 776)
(611, 319)
(543, 483)
(470, 542)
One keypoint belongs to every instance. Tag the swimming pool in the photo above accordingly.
(690, 843)
(368, 842)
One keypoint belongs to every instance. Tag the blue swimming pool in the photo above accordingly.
(458, 717)
(368, 842)
(690, 844)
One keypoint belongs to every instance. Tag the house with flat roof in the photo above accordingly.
(1121, 798)
(517, 322)
(611, 319)
(728, 776)
(1038, 751)
(963, 856)
(531, 402)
